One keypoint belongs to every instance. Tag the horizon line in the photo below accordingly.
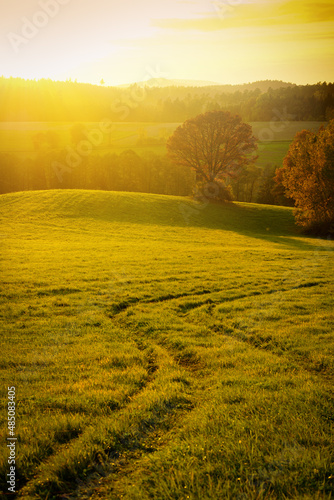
(209, 84)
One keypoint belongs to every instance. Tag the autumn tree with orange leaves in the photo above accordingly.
(308, 177)
(217, 146)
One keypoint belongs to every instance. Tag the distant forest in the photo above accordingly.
(49, 101)
(150, 173)
(52, 168)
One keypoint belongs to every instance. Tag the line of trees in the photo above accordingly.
(124, 172)
(61, 167)
(150, 173)
(46, 100)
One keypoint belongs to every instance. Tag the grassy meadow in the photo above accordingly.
(18, 138)
(163, 348)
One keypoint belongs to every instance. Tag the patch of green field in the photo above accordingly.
(18, 138)
(143, 137)
(282, 128)
(163, 348)
(272, 153)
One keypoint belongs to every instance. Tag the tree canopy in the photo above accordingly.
(47, 100)
(308, 177)
(216, 145)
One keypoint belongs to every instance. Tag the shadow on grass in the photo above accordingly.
(270, 223)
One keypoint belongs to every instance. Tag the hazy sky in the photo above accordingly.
(225, 41)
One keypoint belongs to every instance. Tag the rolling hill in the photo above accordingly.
(165, 348)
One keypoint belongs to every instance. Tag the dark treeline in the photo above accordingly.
(46, 100)
(127, 171)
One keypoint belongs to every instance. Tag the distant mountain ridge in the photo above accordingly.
(165, 82)
(263, 85)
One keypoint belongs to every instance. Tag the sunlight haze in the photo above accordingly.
(232, 41)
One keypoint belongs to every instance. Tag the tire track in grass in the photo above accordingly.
(142, 426)
(230, 329)
(183, 357)
(184, 308)
(269, 343)
(118, 492)
(100, 450)
(189, 363)
(184, 360)
(108, 481)
(73, 437)
(111, 481)
(119, 307)
(262, 342)
(152, 439)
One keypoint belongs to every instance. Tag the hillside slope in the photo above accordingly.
(147, 209)
(162, 348)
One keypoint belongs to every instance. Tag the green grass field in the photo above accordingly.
(17, 138)
(165, 349)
